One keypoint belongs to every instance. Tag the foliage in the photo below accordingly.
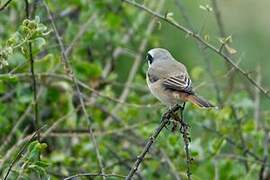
(106, 38)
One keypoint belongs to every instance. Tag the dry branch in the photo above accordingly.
(5, 5)
(164, 121)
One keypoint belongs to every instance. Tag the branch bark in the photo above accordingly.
(164, 121)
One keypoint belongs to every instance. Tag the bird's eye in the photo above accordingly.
(149, 58)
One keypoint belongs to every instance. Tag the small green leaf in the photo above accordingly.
(39, 42)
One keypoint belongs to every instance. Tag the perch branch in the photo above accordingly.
(184, 131)
(165, 119)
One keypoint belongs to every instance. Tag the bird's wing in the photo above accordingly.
(179, 82)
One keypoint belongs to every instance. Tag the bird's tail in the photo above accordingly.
(199, 101)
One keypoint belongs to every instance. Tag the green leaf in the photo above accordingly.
(39, 42)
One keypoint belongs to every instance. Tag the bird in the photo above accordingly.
(169, 81)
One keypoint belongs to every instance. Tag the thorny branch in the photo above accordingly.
(164, 121)
(206, 44)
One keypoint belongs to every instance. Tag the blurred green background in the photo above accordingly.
(109, 40)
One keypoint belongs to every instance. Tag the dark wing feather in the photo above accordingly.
(178, 83)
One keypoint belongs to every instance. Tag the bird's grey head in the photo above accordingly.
(158, 54)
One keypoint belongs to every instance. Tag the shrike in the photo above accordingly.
(169, 81)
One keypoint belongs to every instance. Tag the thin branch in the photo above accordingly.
(184, 131)
(203, 52)
(200, 39)
(241, 136)
(19, 121)
(121, 161)
(70, 73)
(171, 165)
(32, 70)
(18, 156)
(82, 30)
(164, 121)
(94, 175)
(233, 143)
(257, 99)
(264, 171)
(127, 37)
(82, 85)
(223, 34)
(5, 5)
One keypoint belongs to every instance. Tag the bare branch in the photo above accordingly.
(5, 5)
(164, 121)
(203, 52)
(257, 99)
(18, 156)
(32, 70)
(82, 30)
(95, 175)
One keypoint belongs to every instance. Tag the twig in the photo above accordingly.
(264, 171)
(216, 177)
(82, 30)
(17, 157)
(127, 37)
(122, 162)
(205, 55)
(233, 143)
(242, 139)
(94, 175)
(184, 131)
(19, 121)
(5, 5)
(257, 99)
(164, 120)
(70, 73)
(200, 39)
(223, 34)
(171, 165)
(81, 84)
(186, 141)
(32, 70)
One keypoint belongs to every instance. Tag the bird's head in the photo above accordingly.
(157, 55)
